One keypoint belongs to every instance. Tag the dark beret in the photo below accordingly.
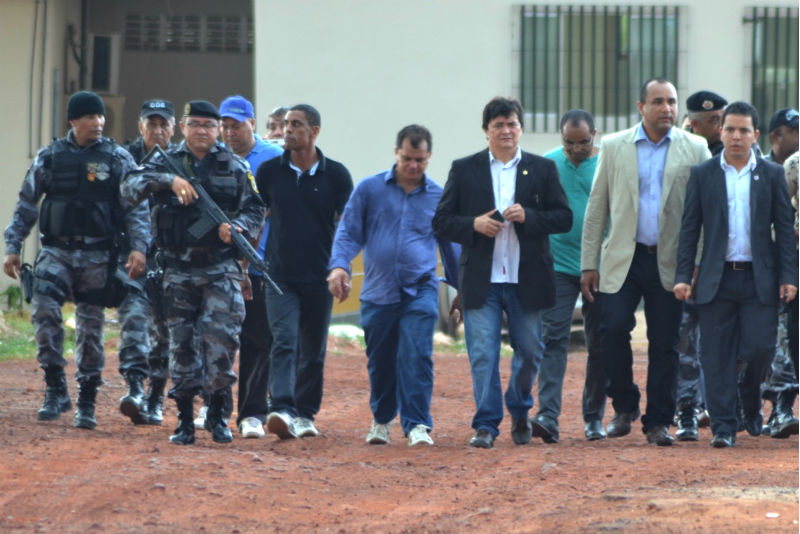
(84, 103)
(201, 108)
(705, 101)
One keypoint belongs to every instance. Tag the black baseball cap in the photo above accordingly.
(783, 117)
(162, 108)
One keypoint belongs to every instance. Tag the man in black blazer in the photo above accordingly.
(737, 200)
(500, 205)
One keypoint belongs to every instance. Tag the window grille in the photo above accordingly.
(189, 33)
(595, 58)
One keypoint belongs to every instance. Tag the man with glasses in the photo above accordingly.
(576, 162)
(202, 276)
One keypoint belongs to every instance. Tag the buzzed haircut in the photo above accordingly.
(643, 89)
(415, 134)
(575, 117)
(312, 115)
(501, 106)
(741, 108)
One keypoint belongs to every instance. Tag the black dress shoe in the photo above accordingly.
(482, 439)
(620, 424)
(721, 441)
(753, 424)
(659, 435)
(541, 428)
(594, 430)
(520, 431)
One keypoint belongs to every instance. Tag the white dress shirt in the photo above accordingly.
(505, 259)
(737, 184)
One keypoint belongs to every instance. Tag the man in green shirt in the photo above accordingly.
(576, 161)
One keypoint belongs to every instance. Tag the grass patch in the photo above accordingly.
(18, 342)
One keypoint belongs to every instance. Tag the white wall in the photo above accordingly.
(27, 109)
(371, 67)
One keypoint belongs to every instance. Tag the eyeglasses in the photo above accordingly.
(204, 125)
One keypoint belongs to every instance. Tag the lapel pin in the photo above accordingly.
(525, 172)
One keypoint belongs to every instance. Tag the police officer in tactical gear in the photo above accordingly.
(79, 219)
(201, 273)
(143, 322)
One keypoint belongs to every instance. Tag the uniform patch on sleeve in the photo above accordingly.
(252, 181)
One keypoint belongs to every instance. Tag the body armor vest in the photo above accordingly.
(173, 220)
(80, 193)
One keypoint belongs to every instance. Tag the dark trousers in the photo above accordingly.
(256, 343)
(302, 314)
(663, 313)
(735, 323)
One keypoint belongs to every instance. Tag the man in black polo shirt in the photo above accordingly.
(305, 193)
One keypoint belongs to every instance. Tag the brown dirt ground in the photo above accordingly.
(120, 478)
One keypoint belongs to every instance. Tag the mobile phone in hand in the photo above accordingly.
(497, 216)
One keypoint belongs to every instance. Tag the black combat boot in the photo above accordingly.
(132, 405)
(87, 392)
(184, 433)
(785, 424)
(154, 401)
(687, 424)
(56, 396)
(216, 422)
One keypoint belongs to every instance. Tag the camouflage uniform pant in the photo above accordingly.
(134, 338)
(205, 310)
(781, 376)
(691, 386)
(58, 274)
(158, 358)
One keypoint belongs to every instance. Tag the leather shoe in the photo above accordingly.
(594, 430)
(520, 430)
(541, 428)
(482, 439)
(620, 424)
(721, 441)
(753, 424)
(660, 436)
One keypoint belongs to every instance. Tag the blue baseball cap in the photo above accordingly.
(237, 107)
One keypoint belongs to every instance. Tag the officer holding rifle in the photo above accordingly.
(200, 261)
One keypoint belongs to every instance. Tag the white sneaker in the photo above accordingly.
(250, 427)
(200, 420)
(282, 424)
(419, 436)
(379, 433)
(304, 428)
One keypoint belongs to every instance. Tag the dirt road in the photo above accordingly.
(121, 478)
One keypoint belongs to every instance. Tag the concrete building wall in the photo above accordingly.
(373, 67)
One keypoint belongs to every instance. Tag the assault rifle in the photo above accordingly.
(213, 216)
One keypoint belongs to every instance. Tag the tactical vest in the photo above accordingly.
(173, 220)
(81, 192)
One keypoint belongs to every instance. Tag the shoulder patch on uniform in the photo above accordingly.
(252, 180)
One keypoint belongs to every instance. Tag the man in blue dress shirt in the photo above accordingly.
(389, 216)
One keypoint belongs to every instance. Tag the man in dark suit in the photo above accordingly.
(737, 200)
(500, 205)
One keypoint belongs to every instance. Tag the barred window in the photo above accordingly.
(595, 58)
(189, 33)
(775, 58)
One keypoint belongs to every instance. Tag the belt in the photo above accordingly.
(650, 249)
(739, 265)
(76, 243)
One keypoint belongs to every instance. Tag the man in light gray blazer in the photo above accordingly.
(629, 250)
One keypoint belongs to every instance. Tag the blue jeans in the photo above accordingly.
(482, 329)
(302, 314)
(557, 322)
(399, 341)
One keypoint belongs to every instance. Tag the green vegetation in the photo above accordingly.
(17, 338)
